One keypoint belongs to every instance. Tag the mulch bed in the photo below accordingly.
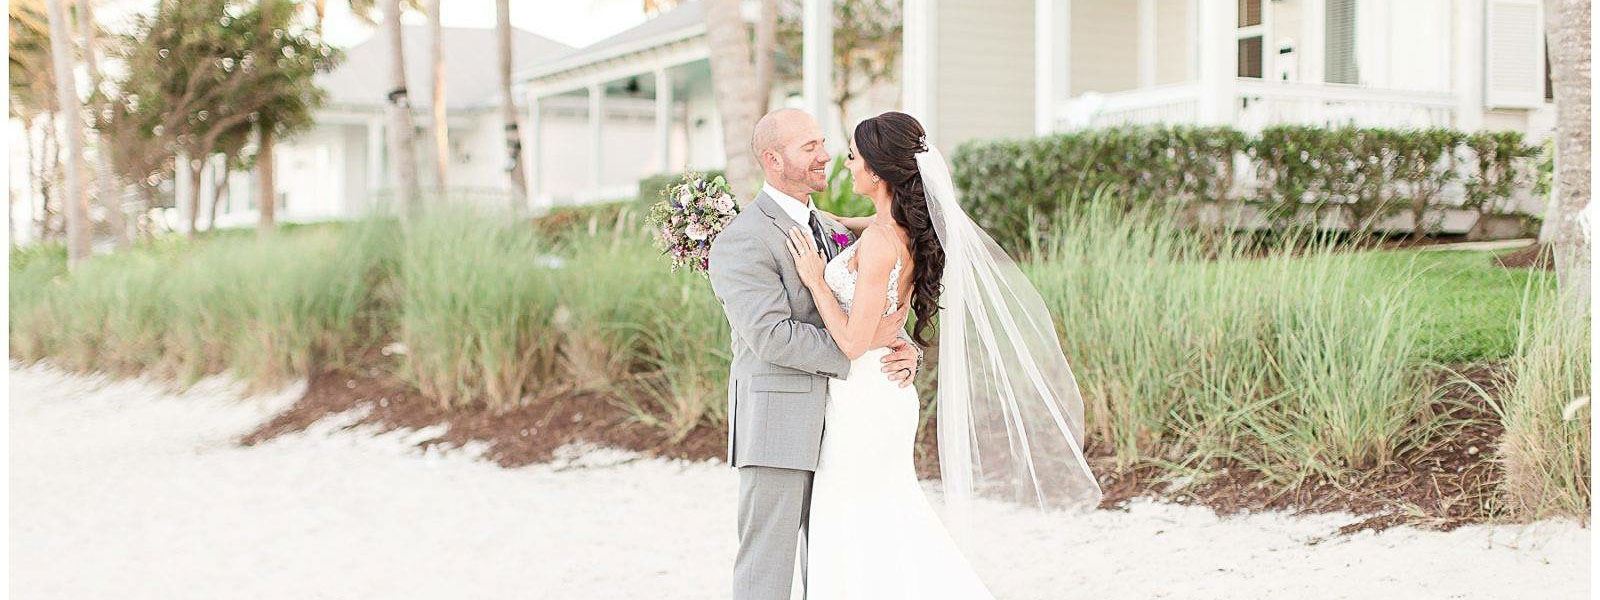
(1447, 482)
(1533, 256)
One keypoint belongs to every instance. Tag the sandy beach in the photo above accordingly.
(123, 489)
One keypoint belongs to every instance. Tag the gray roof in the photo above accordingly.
(471, 57)
(684, 21)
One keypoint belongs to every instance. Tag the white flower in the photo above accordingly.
(697, 232)
(685, 196)
(724, 204)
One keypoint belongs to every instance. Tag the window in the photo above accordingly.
(1249, 13)
(1250, 57)
(1251, 34)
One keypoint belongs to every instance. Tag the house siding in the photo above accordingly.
(983, 70)
(1106, 33)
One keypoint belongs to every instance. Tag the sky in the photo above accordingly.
(571, 22)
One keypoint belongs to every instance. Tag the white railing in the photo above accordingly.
(1259, 103)
(1264, 103)
(1177, 103)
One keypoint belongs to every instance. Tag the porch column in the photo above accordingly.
(1217, 49)
(1052, 61)
(1147, 43)
(1311, 50)
(663, 120)
(817, 63)
(596, 117)
(534, 144)
(918, 40)
(1467, 72)
(374, 156)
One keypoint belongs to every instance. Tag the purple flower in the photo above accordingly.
(840, 239)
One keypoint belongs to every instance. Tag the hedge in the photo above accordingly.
(1362, 175)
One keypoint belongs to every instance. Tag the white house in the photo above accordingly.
(341, 167)
(1017, 67)
(974, 69)
(971, 69)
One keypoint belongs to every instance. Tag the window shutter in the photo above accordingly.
(1339, 64)
(1513, 54)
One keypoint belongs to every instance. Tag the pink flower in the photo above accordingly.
(841, 240)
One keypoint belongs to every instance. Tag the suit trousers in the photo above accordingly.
(774, 508)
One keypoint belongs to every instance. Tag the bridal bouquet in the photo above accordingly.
(689, 217)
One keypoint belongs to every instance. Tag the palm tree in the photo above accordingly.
(1567, 25)
(402, 147)
(110, 192)
(77, 214)
(508, 105)
(441, 127)
(739, 101)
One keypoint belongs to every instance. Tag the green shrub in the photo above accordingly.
(1358, 176)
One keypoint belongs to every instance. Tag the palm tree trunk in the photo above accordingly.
(508, 106)
(217, 187)
(402, 148)
(321, 8)
(733, 81)
(77, 214)
(766, 45)
(267, 211)
(198, 167)
(441, 126)
(110, 193)
(1567, 25)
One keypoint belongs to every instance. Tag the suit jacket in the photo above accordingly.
(782, 353)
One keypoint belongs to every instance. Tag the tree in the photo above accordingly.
(77, 213)
(32, 94)
(202, 74)
(110, 192)
(1567, 25)
(441, 125)
(866, 48)
(508, 107)
(739, 100)
(402, 148)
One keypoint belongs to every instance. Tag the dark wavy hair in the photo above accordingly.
(889, 143)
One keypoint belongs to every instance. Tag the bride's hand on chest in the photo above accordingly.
(808, 260)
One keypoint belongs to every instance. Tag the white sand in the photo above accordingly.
(119, 490)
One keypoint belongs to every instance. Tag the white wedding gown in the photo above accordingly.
(873, 535)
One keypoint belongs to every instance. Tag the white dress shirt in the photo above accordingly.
(797, 210)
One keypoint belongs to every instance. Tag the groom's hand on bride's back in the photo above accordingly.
(901, 362)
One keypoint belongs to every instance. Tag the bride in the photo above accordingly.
(1010, 421)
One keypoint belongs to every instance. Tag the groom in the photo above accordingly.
(782, 354)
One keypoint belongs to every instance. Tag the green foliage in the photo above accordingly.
(1360, 176)
(1501, 160)
(840, 198)
(1007, 185)
(264, 309)
(200, 75)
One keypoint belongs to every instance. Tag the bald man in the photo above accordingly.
(782, 353)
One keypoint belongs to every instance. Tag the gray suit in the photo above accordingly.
(777, 391)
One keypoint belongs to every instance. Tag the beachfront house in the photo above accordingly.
(974, 69)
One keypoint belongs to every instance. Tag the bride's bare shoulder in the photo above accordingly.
(879, 246)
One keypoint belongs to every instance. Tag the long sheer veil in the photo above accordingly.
(1010, 419)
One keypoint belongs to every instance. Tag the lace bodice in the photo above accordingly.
(842, 281)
